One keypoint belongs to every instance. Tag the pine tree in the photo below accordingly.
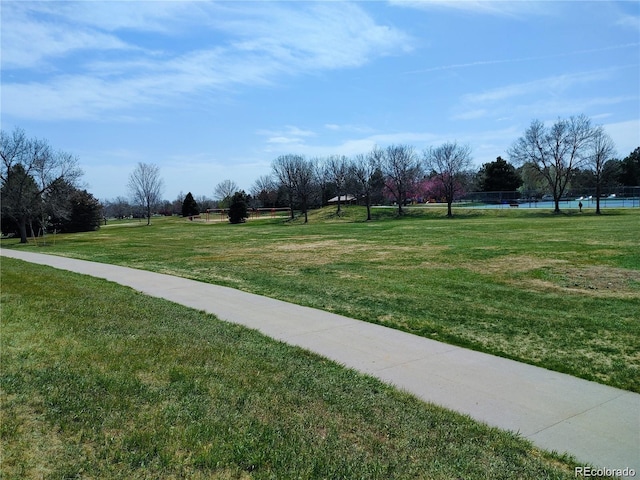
(238, 211)
(190, 206)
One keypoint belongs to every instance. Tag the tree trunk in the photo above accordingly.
(598, 197)
(449, 212)
(33, 234)
(22, 225)
(557, 207)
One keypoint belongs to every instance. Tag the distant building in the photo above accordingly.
(343, 199)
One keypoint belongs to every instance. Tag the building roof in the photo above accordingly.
(343, 198)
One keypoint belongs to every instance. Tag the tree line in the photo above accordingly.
(40, 187)
(370, 179)
(570, 153)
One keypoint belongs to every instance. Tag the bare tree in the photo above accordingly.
(118, 208)
(31, 171)
(602, 150)
(364, 169)
(297, 176)
(402, 171)
(555, 152)
(176, 205)
(145, 186)
(265, 190)
(337, 168)
(284, 169)
(304, 184)
(322, 179)
(225, 190)
(449, 162)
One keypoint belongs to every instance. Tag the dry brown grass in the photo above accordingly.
(594, 280)
(509, 264)
(38, 443)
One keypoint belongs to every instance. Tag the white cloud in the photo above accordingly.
(548, 85)
(111, 16)
(288, 130)
(291, 136)
(483, 63)
(347, 128)
(489, 7)
(626, 136)
(284, 140)
(550, 96)
(631, 21)
(263, 42)
(31, 43)
(353, 146)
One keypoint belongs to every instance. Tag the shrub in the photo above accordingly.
(238, 212)
(190, 206)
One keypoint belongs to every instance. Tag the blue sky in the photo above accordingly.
(216, 90)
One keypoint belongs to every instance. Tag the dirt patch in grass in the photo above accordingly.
(309, 254)
(323, 252)
(316, 246)
(512, 264)
(597, 280)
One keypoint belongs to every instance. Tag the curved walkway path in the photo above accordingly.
(599, 425)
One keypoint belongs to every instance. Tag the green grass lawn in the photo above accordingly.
(558, 291)
(99, 381)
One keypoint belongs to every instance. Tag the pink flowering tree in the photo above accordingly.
(436, 188)
(402, 171)
(448, 163)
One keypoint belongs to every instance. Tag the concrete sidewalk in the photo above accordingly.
(599, 425)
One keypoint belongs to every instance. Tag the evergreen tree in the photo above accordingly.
(238, 211)
(20, 201)
(499, 176)
(84, 213)
(630, 169)
(190, 206)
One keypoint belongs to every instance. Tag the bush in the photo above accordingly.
(84, 213)
(238, 211)
(190, 206)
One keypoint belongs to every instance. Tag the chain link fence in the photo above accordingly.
(617, 197)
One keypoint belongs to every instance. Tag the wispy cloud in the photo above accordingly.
(334, 127)
(290, 136)
(112, 16)
(263, 44)
(538, 97)
(318, 36)
(350, 146)
(482, 63)
(630, 21)
(486, 7)
(486, 144)
(548, 85)
(30, 42)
